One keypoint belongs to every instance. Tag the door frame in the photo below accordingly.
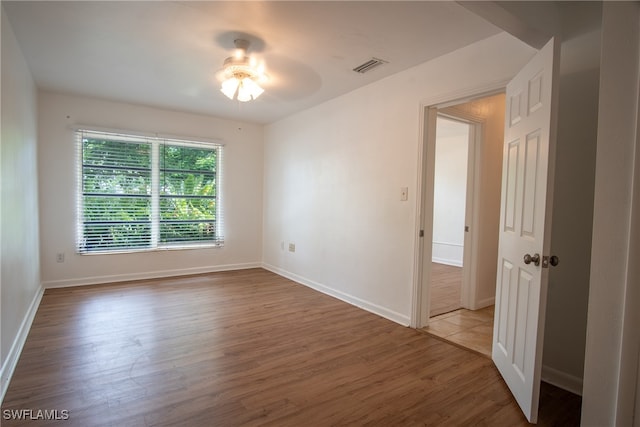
(476, 129)
(421, 297)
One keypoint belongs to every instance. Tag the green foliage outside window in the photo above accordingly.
(187, 193)
(118, 194)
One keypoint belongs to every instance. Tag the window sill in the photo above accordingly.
(161, 249)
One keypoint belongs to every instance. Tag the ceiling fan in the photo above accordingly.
(242, 75)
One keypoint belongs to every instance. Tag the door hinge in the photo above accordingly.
(421, 233)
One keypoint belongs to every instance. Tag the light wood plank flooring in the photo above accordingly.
(446, 285)
(249, 348)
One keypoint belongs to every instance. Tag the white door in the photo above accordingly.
(525, 225)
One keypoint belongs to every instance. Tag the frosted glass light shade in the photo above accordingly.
(244, 94)
(252, 87)
(230, 86)
(245, 89)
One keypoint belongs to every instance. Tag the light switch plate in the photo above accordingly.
(404, 194)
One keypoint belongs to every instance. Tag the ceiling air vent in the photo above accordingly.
(369, 65)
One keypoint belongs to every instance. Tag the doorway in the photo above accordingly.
(452, 205)
(472, 261)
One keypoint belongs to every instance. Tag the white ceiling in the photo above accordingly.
(166, 53)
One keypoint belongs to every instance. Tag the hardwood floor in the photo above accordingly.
(446, 286)
(248, 348)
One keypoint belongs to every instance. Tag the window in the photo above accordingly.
(145, 193)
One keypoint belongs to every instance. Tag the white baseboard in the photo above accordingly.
(146, 275)
(484, 303)
(365, 305)
(562, 380)
(9, 365)
(452, 262)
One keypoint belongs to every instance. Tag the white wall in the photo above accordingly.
(333, 175)
(242, 186)
(450, 191)
(20, 272)
(612, 344)
(572, 218)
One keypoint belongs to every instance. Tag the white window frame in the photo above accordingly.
(155, 140)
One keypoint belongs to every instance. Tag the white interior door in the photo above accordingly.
(525, 226)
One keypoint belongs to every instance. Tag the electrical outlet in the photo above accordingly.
(292, 247)
(60, 257)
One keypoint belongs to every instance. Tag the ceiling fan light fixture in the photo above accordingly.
(252, 87)
(241, 74)
(244, 94)
(229, 87)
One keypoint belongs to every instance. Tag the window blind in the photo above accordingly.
(145, 193)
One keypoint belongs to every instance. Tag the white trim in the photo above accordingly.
(95, 280)
(459, 245)
(421, 269)
(464, 95)
(358, 302)
(423, 246)
(562, 380)
(445, 261)
(454, 112)
(477, 142)
(84, 237)
(9, 365)
(486, 302)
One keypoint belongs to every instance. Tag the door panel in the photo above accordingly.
(501, 321)
(530, 184)
(509, 200)
(526, 203)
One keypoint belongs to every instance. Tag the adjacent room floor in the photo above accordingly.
(446, 283)
(469, 329)
(466, 328)
(250, 348)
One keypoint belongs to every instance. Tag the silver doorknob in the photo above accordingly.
(528, 259)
